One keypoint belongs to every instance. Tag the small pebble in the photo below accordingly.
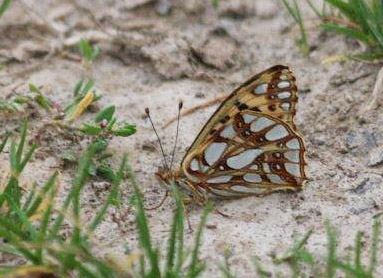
(375, 157)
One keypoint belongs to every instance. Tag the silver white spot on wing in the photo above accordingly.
(248, 118)
(204, 168)
(293, 144)
(283, 77)
(266, 168)
(252, 178)
(228, 132)
(260, 124)
(214, 151)
(220, 179)
(222, 192)
(293, 169)
(194, 165)
(284, 95)
(293, 156)
(250, 190)
(275, 179)
(285, 106)
(253, 167)
(283, 84)
(277, 132)
(261, 89)
(244, 158)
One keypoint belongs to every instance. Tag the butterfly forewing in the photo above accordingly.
(250, 144)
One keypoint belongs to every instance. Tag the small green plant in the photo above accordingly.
(105, 126)
(19, 103)
(89, 52)
(83, 96)
(39, 98)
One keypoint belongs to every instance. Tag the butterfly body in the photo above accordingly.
(249, 146)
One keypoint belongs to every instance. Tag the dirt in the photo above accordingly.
(166, 51)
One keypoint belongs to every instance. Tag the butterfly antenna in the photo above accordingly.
(180, 104)
(147, 112)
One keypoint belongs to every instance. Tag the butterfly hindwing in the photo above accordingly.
(250, 144)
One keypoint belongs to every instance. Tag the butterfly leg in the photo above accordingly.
(221, 213)
(186, 212)
(196, 108)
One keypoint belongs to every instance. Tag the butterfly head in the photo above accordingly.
(187, 191)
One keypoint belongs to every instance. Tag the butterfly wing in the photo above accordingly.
(250, 144)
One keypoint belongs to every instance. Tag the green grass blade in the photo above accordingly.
(195, 266)
(314, 9)
(344, 7)
(4, 6)
(78, 184)
(22, 217)
(358, 253)
(331, 251)
(175, 250)
(346, 31)
(181, 229)
(143, 230)
(27, 157)
(36, 203)
(296, 249)
(79, 180)
(30, 198)
(5, 140)
(290, 9)
(44, 225)
(112, 195)
(171, 251)
(374, 247)
(20, 147)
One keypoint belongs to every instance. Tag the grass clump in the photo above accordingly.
(360, 20)
(300, 259)
(31, 225)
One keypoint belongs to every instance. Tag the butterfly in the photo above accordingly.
(249, 146)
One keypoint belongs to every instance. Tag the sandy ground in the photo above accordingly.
(184, 50)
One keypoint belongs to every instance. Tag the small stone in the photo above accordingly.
(266, 9)
(375, 157)
(163, 7)
(363, 186)
(320, 140)
(352, 140)
(200, 95)
(236, 9)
